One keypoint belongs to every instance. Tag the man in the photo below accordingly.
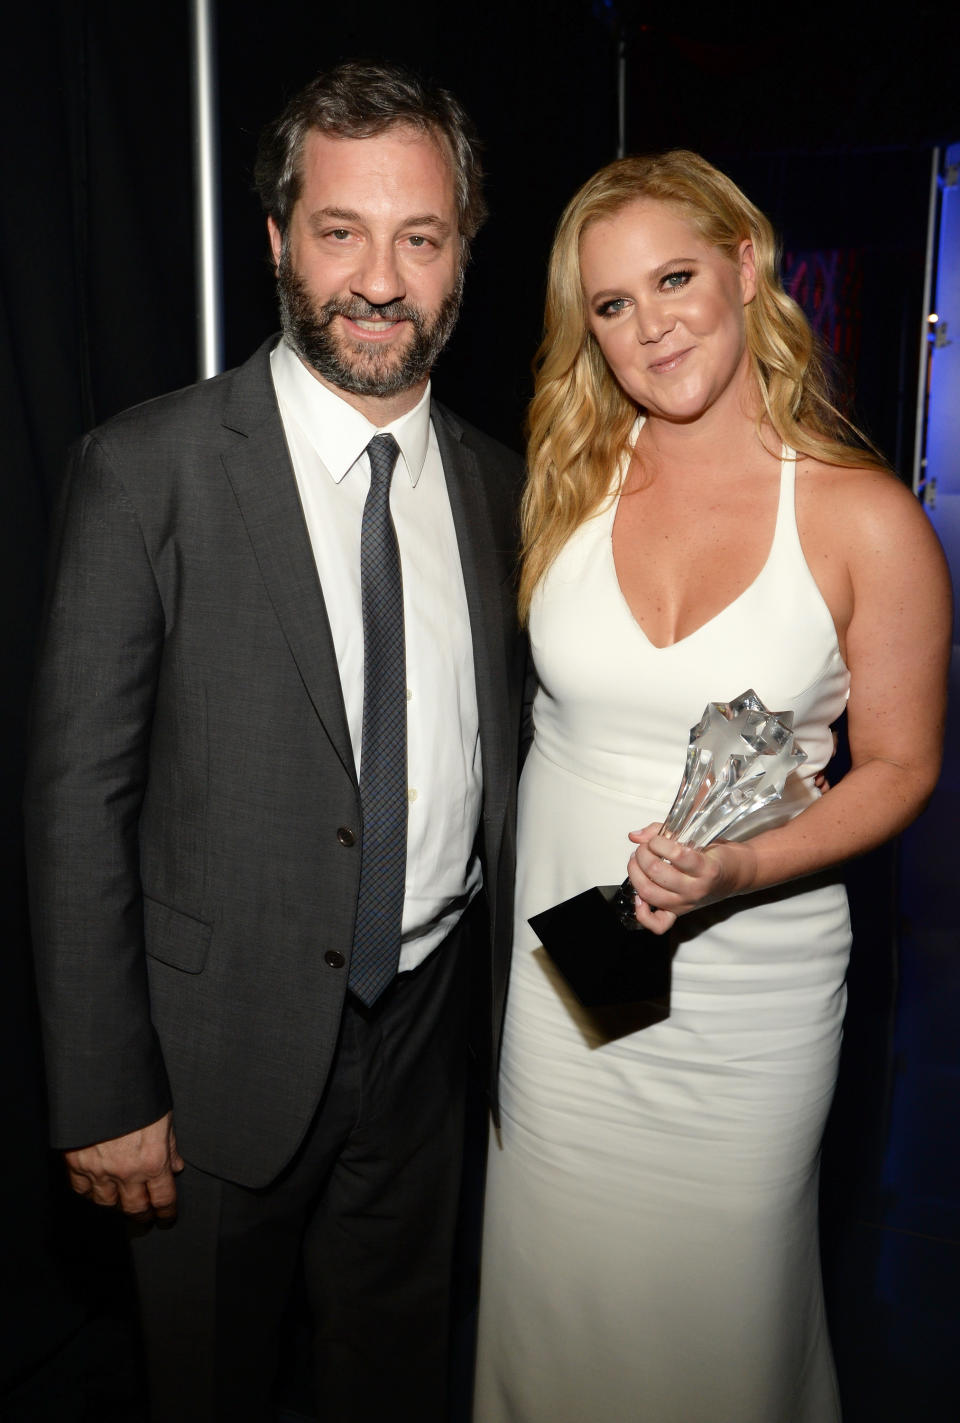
(275, 737)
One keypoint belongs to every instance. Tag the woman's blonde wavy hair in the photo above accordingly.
(579, 419)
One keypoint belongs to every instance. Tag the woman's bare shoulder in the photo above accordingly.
(869, 510)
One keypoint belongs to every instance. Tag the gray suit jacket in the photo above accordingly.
(193, 817)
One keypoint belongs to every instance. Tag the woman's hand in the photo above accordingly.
(671, 879)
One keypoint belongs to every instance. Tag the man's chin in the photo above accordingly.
(373, 360)
(361, 371)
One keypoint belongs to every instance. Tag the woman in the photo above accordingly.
(697, 522)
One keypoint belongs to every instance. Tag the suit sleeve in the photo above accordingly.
(98, 664)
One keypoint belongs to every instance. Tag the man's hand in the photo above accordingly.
(134, 1172)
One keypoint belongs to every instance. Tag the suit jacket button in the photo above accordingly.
(346, 836)
(334, 958)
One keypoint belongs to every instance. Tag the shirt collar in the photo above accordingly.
(337, 431)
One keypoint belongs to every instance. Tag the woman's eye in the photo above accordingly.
(676, 279)
(613, 307)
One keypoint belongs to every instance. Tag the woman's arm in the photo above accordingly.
(892, 607)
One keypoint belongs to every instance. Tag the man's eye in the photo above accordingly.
(416, 240)
(340, 233)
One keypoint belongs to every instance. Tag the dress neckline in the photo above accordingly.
(787, 470)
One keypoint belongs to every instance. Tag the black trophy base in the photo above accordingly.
(602, 961)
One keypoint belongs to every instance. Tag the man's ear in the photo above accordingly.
(276, 241)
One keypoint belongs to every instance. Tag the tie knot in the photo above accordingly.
(383, 451)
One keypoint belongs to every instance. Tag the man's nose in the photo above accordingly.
(378, 277)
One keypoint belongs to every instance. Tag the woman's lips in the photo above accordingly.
(666, 364)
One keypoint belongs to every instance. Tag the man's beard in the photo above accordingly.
(362, 368)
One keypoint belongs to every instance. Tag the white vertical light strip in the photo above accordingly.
(206, 189)
(919, 473)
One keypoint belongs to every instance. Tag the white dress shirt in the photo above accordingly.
(327, 439)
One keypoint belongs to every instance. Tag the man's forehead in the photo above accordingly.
(401, 167)
(320, 143)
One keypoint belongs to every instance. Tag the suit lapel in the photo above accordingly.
(257, 464)
(484, 580)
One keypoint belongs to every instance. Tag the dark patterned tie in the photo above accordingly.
(383, 753)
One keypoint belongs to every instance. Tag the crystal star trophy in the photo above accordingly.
(738, 760)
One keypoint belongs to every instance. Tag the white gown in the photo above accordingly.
(650, 1239)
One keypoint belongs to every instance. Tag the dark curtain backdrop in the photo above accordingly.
(826, 124)
(96, 312)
